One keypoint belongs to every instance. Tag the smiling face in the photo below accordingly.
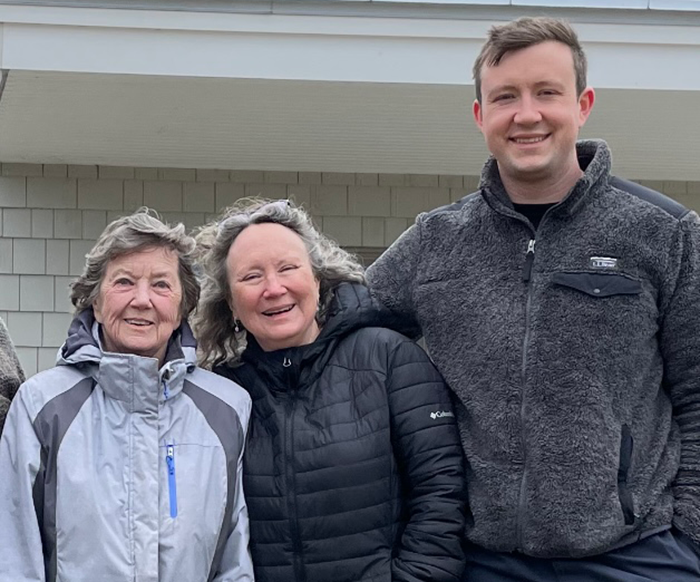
(530, 114)
(274, 292)
(139, 302)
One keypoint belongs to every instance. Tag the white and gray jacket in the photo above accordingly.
(114, 470)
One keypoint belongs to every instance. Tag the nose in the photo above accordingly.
(528, 112)
(142, 295)
(273, 287)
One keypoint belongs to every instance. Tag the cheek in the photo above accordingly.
(240, 304)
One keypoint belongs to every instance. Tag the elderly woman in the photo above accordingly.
(353, 467)
(123, 462)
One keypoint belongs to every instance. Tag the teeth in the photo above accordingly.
(285, 310)
(137, 322)
(528, 139)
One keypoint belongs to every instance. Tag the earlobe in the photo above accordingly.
(585, 102)
(96, 311)
(476, 111)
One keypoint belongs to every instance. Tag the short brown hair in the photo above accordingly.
(526, 32)
(130, 234)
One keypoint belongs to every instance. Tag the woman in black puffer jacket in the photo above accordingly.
(353, 468)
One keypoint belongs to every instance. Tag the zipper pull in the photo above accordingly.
(166, 390)
(286, 362)
(172, 485)
(529, 258)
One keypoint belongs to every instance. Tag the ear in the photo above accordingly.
(585, 105)
(97, 310)
(477, 112)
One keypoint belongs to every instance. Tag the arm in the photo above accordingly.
(680, 348)
(11, 375)
(429, 454)
(21, 554)
(391, 279)
(236, 564)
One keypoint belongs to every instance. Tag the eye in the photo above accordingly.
(549, 92)
(250, 277)
(122, 281)
(162, 285)
(288, 268)
(503, 97)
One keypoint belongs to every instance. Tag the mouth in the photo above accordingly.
(278, 311)
(529, 140)
(138, 322)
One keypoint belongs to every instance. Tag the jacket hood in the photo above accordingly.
(115, 371)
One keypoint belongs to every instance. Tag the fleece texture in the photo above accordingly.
(11, 375)
(576, 367)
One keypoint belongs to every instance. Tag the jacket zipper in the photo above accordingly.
(527, 277)
(166, 390)
(172, 485)
(290, 473)
(529, 259)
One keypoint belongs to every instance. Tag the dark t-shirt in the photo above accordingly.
(533, 212)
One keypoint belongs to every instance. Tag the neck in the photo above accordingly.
(543, 191)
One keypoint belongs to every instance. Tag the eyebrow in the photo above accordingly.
(123, 271)
(511, 87)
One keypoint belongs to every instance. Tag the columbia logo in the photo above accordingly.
(441, 414)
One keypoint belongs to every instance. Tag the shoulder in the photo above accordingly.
(204, 384)
(646, 197)
(53, 385)
(378, 348)
(378, 337)
(456, 211)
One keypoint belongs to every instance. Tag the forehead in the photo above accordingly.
(550, 60)
(266, 240)
(149, 261)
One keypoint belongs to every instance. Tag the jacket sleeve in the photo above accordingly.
(680, 348)
(428, 451)
(392, 279)
(236, 563)
(21, 554)
(11, 375)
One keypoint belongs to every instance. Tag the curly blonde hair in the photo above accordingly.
(214, 321)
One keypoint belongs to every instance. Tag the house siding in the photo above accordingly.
(51, 214)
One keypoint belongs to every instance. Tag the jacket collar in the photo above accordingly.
(594, 158)
(351, 309)
(133, 379)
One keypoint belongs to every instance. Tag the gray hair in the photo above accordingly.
(214, 321)
(129, 234)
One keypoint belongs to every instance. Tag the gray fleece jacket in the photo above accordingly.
(575, 359)
(11, 375)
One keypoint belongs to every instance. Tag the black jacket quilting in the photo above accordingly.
(353, 472)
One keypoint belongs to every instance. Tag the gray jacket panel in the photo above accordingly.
(114, 469)
(576, 368)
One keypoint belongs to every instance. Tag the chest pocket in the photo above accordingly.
(599, 284)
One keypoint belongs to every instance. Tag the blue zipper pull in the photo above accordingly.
(170, 460)
(166, 390)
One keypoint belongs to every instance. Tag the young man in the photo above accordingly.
(562, 306)
(11, 375)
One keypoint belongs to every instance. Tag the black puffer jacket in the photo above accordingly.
(353, 467)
